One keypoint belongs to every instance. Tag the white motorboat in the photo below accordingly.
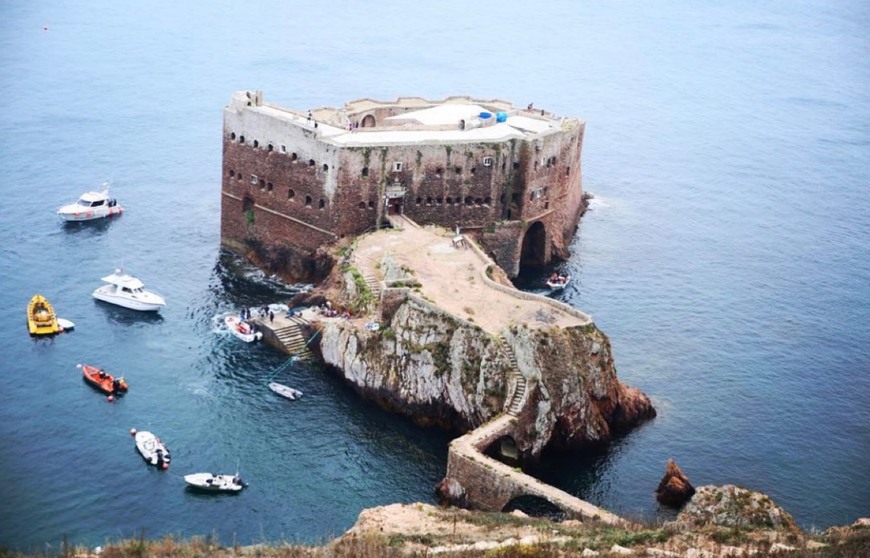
(92, 205)
(242, 329)
(129, 292)
(152, 448)
(558, 282)
(211, 482)
(285, 391)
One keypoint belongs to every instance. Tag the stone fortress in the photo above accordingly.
(294, 181)
(366, 200)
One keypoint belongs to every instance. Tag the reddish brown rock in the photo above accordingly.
(675, 489)
(451, 493)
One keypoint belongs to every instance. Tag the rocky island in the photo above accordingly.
(455, 344)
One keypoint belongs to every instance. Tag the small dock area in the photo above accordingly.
(287, 333)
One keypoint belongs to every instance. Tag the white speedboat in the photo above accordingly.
(92, 205)
(152, 448)
(129, 292)
(215, 483)
(285, 391)
(242, 329)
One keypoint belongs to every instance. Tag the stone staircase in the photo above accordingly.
(373, 283)
(517, 383)
(293, 338)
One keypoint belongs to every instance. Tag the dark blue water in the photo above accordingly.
(727, 253)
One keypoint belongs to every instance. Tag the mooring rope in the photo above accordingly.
(292, 358)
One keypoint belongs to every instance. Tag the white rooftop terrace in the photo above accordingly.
(446, 117)
(439, 123)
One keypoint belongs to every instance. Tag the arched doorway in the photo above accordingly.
(534, 251)
(368, 121)
(394, 206)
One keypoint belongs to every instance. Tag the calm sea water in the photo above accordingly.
(727, 253)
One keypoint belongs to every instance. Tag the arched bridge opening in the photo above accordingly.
(534, 250)
(504, 449)
(535, 506)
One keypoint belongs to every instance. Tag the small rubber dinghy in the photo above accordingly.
(152, 448)
(285, 391)
(209, 482)
(102, 380)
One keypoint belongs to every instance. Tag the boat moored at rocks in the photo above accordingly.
(242, 329)
(285, 391)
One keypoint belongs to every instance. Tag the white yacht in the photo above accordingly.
(129, 292)
(92, 205)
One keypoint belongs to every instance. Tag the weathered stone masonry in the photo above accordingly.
(291, 185)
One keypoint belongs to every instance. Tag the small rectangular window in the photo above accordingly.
(487, 161)
(397, 167)
(283, 149)
(253, 179)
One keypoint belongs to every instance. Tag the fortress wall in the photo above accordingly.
(549, 175)
(452, 184)
(275, 159)
(570, 205)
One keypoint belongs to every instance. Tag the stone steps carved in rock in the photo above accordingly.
(517, 382)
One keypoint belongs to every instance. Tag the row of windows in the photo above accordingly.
(268, 187)
(439, 172)
(399, 165)
(293, 156)
(469, 201)
(291, 196)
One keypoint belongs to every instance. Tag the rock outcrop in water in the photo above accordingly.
(674, 489)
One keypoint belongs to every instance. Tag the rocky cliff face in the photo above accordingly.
(439, 369)
(424, 364)
(575, 398)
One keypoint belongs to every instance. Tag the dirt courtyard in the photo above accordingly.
(452, 277)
